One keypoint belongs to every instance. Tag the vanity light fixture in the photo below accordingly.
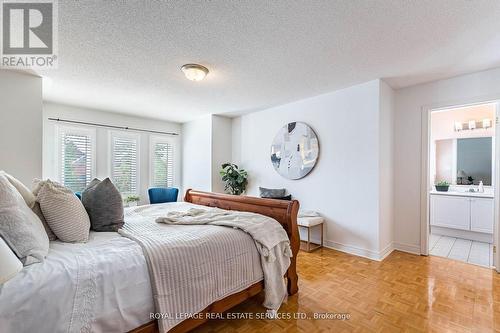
(194, 72)
(472, 124)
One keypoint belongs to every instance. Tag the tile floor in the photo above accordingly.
(465, 250)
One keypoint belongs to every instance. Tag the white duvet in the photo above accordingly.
(99, 286)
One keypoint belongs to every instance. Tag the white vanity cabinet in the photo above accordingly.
(450, 212)
(481, 215)
(462, 212)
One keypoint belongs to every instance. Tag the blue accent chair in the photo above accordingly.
(163, 194)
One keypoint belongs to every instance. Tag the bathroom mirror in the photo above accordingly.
(465, 161)
(474, 160)
(295, 150)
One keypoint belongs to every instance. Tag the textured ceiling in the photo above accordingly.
(126, 56)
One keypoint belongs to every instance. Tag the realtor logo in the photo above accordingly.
(28, 34)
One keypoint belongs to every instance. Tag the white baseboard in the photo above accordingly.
(370, 254)
(386, 251)
(360, 252)
(414, 249)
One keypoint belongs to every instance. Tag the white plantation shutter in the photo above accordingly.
(76, 157)
(125, 163)
(162, 164)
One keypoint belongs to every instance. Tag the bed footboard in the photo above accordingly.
(285, 212)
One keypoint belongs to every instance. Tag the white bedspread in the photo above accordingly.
(191, 266)
(100, 286)
(104, 285)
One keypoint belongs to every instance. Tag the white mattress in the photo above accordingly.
(99, 286)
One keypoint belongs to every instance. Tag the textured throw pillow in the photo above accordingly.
(30, 199)
(272, 192)
(21, 229)
(104, 204)
(64, 212)
(37, 185)
(25, 192)
(38, 211)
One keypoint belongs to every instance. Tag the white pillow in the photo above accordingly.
(64, 213)
(37, 185)
(30, 199)
(21, 229)
(10, 265)
(25, 192)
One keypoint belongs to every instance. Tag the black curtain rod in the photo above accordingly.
(111, 126)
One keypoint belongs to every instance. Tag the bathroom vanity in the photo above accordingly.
(462, 214)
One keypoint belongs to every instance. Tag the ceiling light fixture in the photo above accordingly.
(194, 72)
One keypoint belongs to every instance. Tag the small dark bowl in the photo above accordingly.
(442, 188)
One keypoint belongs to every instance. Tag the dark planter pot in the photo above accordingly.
(442, 188)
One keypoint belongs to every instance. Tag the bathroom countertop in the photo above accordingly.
(465, 194)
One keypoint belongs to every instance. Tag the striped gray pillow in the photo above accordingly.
(38, 211)
(64, 213)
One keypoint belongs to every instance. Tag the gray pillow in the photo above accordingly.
(21, 229)
(272, 192)
(104, 204)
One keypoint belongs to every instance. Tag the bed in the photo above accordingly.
(104, 285)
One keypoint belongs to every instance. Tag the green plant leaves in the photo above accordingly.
(234, 178)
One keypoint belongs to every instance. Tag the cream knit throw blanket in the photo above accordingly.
(269, 236)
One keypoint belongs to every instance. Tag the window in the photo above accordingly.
(76, 157)
(162, 162)
(125, 162)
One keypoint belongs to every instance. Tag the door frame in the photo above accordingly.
(425, 187)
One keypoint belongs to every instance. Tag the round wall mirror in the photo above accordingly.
(295, 150)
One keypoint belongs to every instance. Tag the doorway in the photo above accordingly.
(461, 178)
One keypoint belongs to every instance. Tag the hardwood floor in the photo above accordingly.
(404, 293)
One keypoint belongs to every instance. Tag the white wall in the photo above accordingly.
(207, 143)
(345, 184)
(386, 170)
(221, 149)
(197, 154)
(21, 125)
(102, 135)
(472, 88)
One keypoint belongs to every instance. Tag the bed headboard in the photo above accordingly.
(285, 212)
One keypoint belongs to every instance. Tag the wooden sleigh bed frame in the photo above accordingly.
(285, 212)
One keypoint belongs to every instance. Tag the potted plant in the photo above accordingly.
(132, 200)
(235, 179)
(442, 186)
